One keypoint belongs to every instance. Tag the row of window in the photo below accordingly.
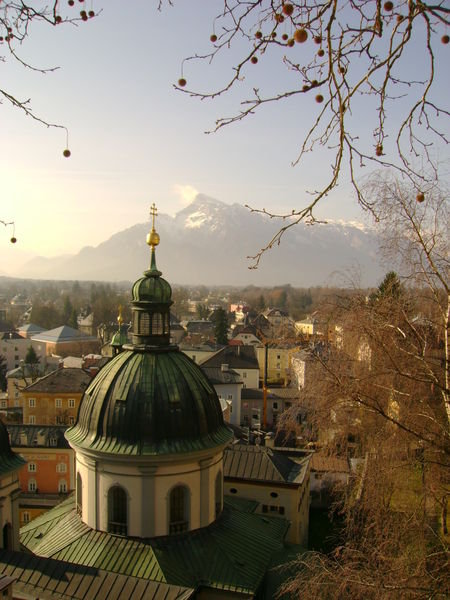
(62, 486)
(58, 402)
(59, 420)
(60, 467)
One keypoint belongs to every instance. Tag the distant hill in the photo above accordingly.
(208, 243)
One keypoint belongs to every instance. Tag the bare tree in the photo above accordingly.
(351, 57)
(16, 21)
(384, 383)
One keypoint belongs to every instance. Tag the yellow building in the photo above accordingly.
(54, 399)
(278, 362)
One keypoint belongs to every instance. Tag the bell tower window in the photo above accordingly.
(157, 324)
(144, 324)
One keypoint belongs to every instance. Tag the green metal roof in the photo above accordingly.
(9, 460)
(149, 403)
(231, 554)
(47, 578)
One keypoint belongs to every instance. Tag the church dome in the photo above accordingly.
(150, 399)
(148, 403)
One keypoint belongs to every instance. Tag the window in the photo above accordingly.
(62, 486)
(71, 402)
(275, 406)
(26, 516)
(32, 420)
(244, 375)
(157, 324)
(58, 402)
(117, 511)
(273, 494)
(31, 467)
(233, 491)
(61, 468)
(4, 403)
(31, 402)
(16, 357)
(53, 441)
(32, 485)
(144, 324)
(71, 420)
(230, 396)
(278, 356)
(218, 493)
(178, 510)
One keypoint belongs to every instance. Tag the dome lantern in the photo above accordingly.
(151, 300)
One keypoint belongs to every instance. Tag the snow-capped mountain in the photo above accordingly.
(209, 241)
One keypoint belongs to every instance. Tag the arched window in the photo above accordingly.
(157, 324)
(178, 510)
(79, 494)
(117, 511)
(62, 486)
(32, 485)
(218, 493)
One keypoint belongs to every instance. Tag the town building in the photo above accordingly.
(14, 348)
(65, 341)
(10, 465)
(49, 474)
(54, 399)
(241, 359)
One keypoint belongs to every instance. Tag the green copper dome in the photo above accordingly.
(150, 399)
(149, 403)
(152, 288)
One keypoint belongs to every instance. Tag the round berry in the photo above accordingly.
(445, 39)
(321, 52)
(379, 150)
(66, 153)
(254, 60)
(213, 38)
(91, 14)
(388, 6)
(420, 197)
(58, 19)
(258, 35)
(182, 82)
(300, 35)
(13, 240)
(285, 36)
(71, 2)
(314, 83)
(288, 9)
(318, 39)
(319, 98)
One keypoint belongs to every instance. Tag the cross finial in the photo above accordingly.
(153, 212)
(153, 237)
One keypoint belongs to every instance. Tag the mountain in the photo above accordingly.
(208, 243)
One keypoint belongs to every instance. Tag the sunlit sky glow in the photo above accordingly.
(136, 140)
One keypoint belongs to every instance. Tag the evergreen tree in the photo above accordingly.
(220, 320)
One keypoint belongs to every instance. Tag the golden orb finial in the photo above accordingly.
(153, 237)
(120, 318)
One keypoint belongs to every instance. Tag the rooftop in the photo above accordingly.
(233, 553)
(63, 334)
(62, 381)
(236, 357)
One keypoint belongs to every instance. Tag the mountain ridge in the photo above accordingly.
(209, 241)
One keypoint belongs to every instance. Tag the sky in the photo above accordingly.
(135, 140)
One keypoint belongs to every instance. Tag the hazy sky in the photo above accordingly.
(134, 139)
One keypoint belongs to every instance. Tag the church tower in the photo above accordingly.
(149, 438)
